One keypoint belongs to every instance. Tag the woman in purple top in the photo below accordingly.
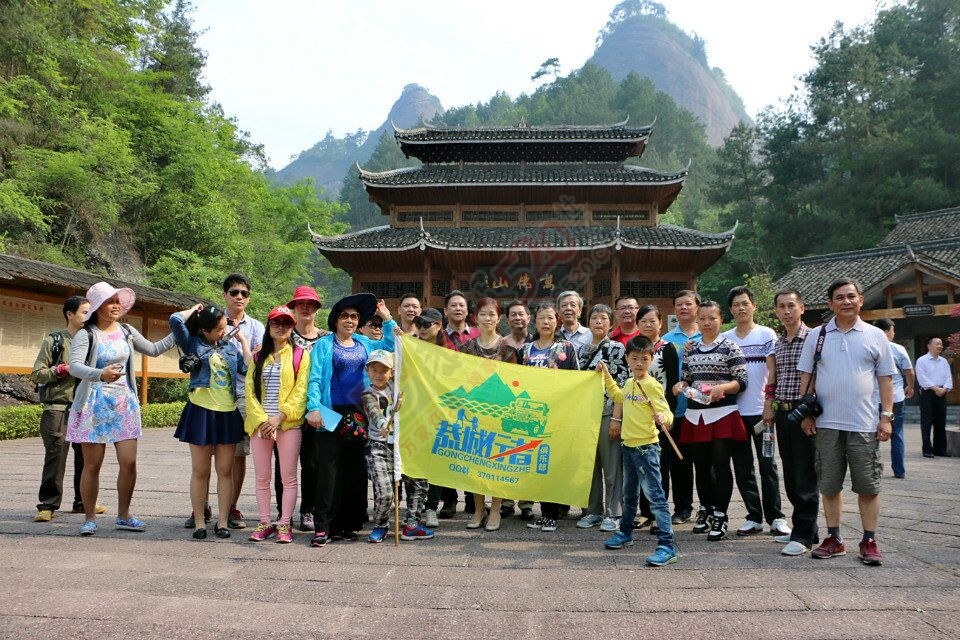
(549, 351)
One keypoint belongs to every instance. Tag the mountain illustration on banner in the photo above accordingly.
(518, 413)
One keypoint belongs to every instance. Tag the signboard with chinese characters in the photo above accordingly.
(918, 310)
(521, 282)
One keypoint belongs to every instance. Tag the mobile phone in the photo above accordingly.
(232, 333)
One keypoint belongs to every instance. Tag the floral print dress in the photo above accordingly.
(111, 412)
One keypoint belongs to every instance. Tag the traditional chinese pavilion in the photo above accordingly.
(524, 212)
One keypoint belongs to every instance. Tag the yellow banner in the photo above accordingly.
(497, 429)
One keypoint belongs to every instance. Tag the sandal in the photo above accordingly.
(222, 532)
(88, 528)
(200, 534)
(131, 525)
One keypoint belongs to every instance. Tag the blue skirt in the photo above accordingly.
(204, 427)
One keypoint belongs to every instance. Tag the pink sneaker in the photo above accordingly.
(263, 531)
(284, 534)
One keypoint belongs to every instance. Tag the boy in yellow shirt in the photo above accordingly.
(641, 408)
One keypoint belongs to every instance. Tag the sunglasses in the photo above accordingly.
(243, 293)
(280, 324)
(423, 325)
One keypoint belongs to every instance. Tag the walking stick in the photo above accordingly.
(666, 433)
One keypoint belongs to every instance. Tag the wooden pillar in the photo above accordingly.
(614, 277)
(427, 279)
(889, 292)
(144, 380)
(919, 285)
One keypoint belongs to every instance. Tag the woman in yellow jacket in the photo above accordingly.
(276, 401)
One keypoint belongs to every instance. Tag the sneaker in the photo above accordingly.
(654, 530)
(794, 548)
(377, 535)
(235, 520)
(506, 512)
(320, 539)
(782, 539)
(609, 524)
(870, 553)
(830, 547)
(564, 510)
(780, 527)
(306, 522)
(191, 521)
(78, 508)
(618, 540)
(346, 536)
(749, 527)
(88, 528)
(131, 525)
(432, 521)
(99, 509)
(681, 517)
(284, 534)
(447, 511)
(588, 521)
(662, 556)
(263, 531)
(643, 523)
(526, 514)
(718, 529)
(43, 515)
(415, 532)
(704, 521)
(548, 525)
(536, 524)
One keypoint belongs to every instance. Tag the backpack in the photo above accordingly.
(297, 358)
(56, 357)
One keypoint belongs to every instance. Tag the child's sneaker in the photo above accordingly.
(263, 531)
(704, 521)
(415, 532)
(284, 534)
(618, 540)
(549, 524)
(662, 556)
(377, 535)
(536, 524)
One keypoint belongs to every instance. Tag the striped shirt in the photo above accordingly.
(846, 383)
(271, 388)
(787, 354)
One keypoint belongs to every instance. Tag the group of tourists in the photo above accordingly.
(687, 409)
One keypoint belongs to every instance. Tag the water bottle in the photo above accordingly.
(768, 440)
(701, 394)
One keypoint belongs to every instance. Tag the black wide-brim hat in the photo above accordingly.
(364, 303)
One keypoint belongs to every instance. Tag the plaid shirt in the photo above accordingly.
(787, 354)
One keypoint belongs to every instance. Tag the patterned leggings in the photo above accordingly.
(380, 469)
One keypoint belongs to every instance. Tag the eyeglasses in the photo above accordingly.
(346, 315)
(424, 325)
(279, 324)
(243, 293)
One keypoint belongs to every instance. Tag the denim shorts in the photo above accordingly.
(860, 451)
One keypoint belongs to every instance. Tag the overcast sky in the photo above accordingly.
(290, 70)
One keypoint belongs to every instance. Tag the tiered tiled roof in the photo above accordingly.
(498, 239)
(452, 175)
(25, 270)
(594, 143)
(921, 227)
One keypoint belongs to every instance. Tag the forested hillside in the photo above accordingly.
(113, 159)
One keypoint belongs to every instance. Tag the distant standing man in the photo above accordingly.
(854, 367)
(935, 380)
(626, 309)
(236, 296)
(409, 309)
(757, 344)
(797, 449)
(457, 331)
(51, 371)
(570, 305)
(518, 320)
(686, 303)
(903, 381)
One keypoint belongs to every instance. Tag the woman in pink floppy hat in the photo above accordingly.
(105, 406)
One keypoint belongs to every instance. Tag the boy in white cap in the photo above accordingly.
(378, 404)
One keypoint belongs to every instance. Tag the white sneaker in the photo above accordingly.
(780, 527)
(782, 539)
(749, 528)
(794, 548)
(430, 519)
(610, 524)
(588, 521)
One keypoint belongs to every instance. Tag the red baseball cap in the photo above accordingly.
(281, 312)
(304, 292)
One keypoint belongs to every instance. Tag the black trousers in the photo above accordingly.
(340, 491)
(798, 452)
(53, 432)
(714, 478)
(769, 508)
(933, 417)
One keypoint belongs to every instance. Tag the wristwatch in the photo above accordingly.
(887, 414)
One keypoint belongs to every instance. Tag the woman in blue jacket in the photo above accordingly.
(337, 378)
(210, 422)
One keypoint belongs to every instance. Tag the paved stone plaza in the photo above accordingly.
(513, 583)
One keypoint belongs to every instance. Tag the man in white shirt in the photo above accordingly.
(570, 305)
(757, 343)
(935, 381)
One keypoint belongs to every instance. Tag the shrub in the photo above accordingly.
(24, 421)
